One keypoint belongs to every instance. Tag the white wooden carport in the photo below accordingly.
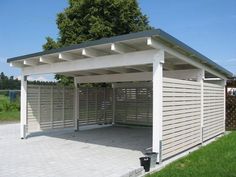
(180, 76)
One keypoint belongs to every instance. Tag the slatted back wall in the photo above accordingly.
(33, 108)
(181, 116)
(133, 105)
(49, 107)
(95, 106)
(213, 119)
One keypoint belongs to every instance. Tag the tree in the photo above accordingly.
(85, 20)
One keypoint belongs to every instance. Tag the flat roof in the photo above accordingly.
(149, 33)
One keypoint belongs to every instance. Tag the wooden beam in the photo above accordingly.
(121, 48)
(47, 60)
(212, 79)
(140, 68)
(66, 56)
(23, 107)
(91, 53)
(157, 81)
(16, 64)
(31, 62)
(120, 70)
(103, 62)
(157, 45)
(109, 78)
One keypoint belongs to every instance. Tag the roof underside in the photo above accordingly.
(127, 43)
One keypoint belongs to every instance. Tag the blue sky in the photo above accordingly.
(208, 26)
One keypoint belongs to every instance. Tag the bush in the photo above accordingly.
(6, 106)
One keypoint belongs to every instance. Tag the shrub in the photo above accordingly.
(6, 106)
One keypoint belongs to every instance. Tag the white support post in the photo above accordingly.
(224, 85)
(200, 78)
(76, 97)
(113, 104)
(23, 111)
(158, 62)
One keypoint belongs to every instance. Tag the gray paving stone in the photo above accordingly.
(111, 151)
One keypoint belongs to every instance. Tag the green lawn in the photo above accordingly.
(10, 115)
(217, 159)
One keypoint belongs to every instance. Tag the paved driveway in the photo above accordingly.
(111, 151)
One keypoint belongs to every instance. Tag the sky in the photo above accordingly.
(208, 26)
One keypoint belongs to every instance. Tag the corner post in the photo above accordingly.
(23, 109)
(200, 78)
(76, 97)
(224, 83)
(113, 103)
(157, 81)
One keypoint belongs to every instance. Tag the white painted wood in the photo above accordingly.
(76, 105)
(181, 115)
(103, 62)
(44, 59)
(132, 84)
(133, 104)
(66, 57)
(16, 64)
(46, 108)
(200, 79)
(140, 68)
(126, 77)
(224, 85)
(157, 45)
(30, 62)
(214, 110)
(114, 103)
(91, 53)
(158, 61)
(23, 112)
(212, 79)
(96, 106)
(121, 48)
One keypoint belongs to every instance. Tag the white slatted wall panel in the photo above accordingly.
(181, 116)
(33, 108)
(133, 105)
(95, 106)
(213, 122)
(49, 107)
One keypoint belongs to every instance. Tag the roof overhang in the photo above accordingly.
(128, 43)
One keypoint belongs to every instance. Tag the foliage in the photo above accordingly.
(86, 20)
(50, 44)
(8, 82)
(64, 80)
(6, 105)
(9, 111)
(214, 160)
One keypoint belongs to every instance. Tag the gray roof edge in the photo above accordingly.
(149, 33)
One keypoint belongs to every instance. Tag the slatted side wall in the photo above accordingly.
(213, 119)
(181, 116)
(133, 105)
(95, 106)
(49, 107)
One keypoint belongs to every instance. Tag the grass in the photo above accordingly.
(9, 115)
(217, 159)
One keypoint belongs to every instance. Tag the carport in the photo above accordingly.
(157, 81)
